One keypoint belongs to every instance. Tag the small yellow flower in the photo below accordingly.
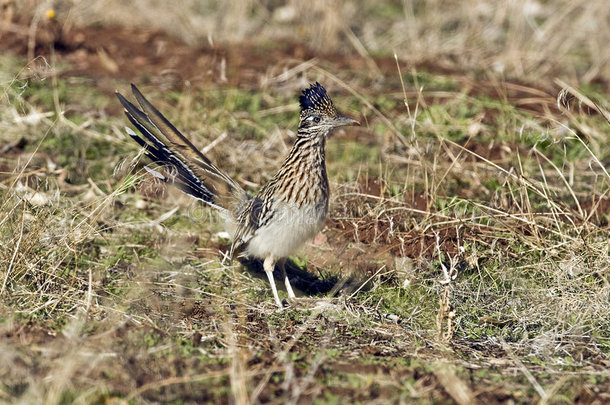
(50, 14)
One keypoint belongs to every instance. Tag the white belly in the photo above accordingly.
(287, 231)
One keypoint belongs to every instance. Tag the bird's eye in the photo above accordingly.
(315, 119)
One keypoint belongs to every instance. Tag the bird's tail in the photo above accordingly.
(181, 163)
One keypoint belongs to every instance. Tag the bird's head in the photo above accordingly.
(318, 113)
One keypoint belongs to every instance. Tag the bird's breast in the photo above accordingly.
(288, 229)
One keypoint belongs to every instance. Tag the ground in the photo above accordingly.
(465, 258)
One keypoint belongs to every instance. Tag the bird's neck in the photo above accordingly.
(304, 172)
(308, 152)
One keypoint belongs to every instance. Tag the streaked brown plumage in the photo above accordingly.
(286, 212)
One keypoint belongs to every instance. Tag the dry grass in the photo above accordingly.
(467, 254)
(525, 39)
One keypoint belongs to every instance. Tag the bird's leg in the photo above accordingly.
(268, 265)
(282, 264)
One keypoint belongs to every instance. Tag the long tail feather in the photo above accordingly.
(190, 170)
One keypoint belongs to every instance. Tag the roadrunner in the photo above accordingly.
(287, 211)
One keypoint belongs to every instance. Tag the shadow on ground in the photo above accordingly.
(304, 281)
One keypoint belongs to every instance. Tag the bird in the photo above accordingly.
(286, 212)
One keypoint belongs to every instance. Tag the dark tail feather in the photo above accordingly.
(181, 176)
(189, 169)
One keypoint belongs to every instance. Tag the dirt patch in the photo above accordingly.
(495, 152)
(28, 333)
(107, 54)
(598, 210)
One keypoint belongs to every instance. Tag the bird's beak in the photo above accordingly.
(344, 122)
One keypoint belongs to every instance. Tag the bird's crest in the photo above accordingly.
(315, 100)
